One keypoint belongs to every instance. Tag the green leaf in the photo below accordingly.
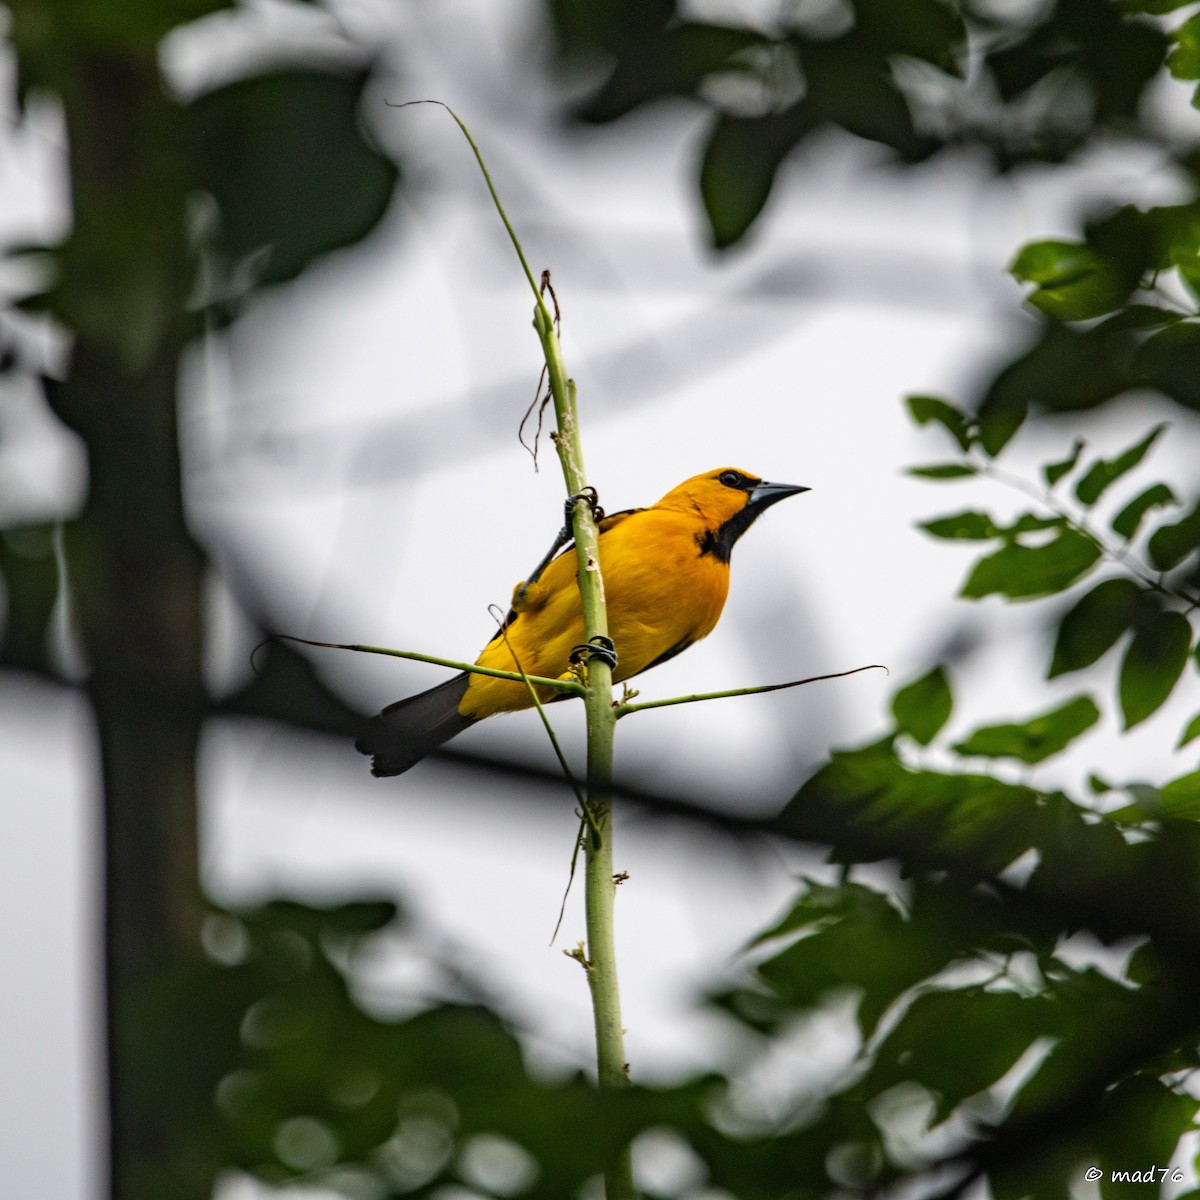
(1050, 262)
(1140, 317)
(1156, 8)
(929, 408)
(924, 706)
(1169, 362)
(858, 938)
(816, 904)
(1176, 229)
(1084, 1001)
(1001, 414)
(1169, 545)
(1067, 369)
(1184, 59)
(29, 585)
(1189, 272)
(1179, 232)
(739, 165)
(1129, 519)
(1124, 238)
(684, 54)
(1104, 472)
(1030, 523)
(965, 526)
(1181, 797)
(1036, 739)
(1023, 572)
(956, 1043)
(1073, 282)
(1053, 472)
(931, 30)
(285, 156)
(1191, 733)
(850, 85)
(853, 919)
(1152, 664)
(1143, 807)
(1094, 624)
(943, 471)
(119, 28)
(869, 805)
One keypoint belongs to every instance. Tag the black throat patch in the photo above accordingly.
(719, 542)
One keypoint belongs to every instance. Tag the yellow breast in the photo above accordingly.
(662, 595)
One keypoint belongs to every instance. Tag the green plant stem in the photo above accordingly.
(585, 815)
(599, 887)
(624, 709)
(563, 685)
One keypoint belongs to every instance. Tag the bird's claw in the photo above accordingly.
(599, 647)
(590, 497)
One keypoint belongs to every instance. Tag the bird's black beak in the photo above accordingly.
(764, 494)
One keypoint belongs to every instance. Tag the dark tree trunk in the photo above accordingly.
(135, 579)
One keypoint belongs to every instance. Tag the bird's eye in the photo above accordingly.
(731, 479)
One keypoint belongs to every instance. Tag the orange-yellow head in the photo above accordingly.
(727, 501)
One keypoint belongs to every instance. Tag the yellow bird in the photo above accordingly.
(666, 576)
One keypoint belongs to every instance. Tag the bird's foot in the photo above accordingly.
(599, 647)
(590, 497)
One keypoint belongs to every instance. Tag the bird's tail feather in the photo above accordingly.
(401, 735)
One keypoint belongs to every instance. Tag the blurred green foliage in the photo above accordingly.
(320, 1089)
(1025, 83)
(285, 160)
